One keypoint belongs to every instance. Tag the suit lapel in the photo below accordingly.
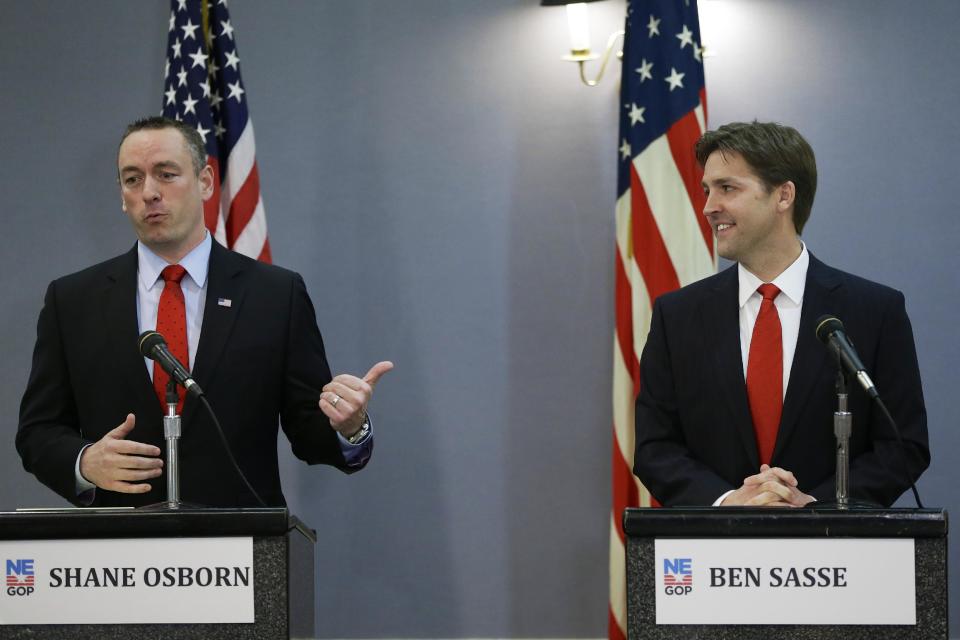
(820, 296)
(722, 318)
(119, 306)
(222, 305)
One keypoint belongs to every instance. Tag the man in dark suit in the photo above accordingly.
(91, 420)
(737, 394)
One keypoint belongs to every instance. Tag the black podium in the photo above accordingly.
(927, 529)
(282, 573)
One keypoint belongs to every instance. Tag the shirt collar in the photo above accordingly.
(196, 263)
(791, 282)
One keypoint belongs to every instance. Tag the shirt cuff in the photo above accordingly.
(86, 490)
(357, 455)
(720, 500)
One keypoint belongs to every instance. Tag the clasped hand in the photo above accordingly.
(772, 487)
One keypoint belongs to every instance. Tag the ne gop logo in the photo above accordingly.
(20, 577)
(677, 576)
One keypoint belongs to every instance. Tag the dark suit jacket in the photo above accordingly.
(694, 434)
(258, 359)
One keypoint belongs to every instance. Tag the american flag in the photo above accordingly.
(663, 240)
(202, 87)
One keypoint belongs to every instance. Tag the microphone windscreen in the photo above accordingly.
(827, 325)
(148, 341)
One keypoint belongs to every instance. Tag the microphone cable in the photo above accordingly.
(226, 447)
(902, 465)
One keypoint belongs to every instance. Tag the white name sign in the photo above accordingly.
(126, 581)
(785, 581)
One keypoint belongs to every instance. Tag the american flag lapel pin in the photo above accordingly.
(224, 302)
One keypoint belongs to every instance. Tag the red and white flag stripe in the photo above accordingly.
(663, 242)
(243, 225)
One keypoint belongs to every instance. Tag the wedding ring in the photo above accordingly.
(335, 400)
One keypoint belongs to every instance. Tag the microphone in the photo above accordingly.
(153, 346)
(830, 331)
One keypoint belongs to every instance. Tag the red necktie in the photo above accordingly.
(172, 325)
(765, 373)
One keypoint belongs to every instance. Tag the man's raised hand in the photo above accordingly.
(344, 399)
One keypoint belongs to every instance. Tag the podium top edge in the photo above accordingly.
(101, 523)
(698, 522)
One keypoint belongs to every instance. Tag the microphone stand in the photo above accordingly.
(842, 429)
(171, 432)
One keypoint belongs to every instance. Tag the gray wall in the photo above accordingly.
(446, 188)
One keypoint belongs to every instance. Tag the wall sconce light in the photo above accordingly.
(579, 25)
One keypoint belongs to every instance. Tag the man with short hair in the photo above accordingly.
(737, 394)
(90, 419)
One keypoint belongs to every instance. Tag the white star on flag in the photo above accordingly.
(189, 104)
(644, 70)
(232, 60)
(675, 79)
(235, 90)
(685, 36)
(199, 58)
(653, 27)
(188, 30)
(636, 114)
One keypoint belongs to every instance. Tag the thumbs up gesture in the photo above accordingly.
(344, 399)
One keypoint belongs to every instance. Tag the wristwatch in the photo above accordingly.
(360, 435)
